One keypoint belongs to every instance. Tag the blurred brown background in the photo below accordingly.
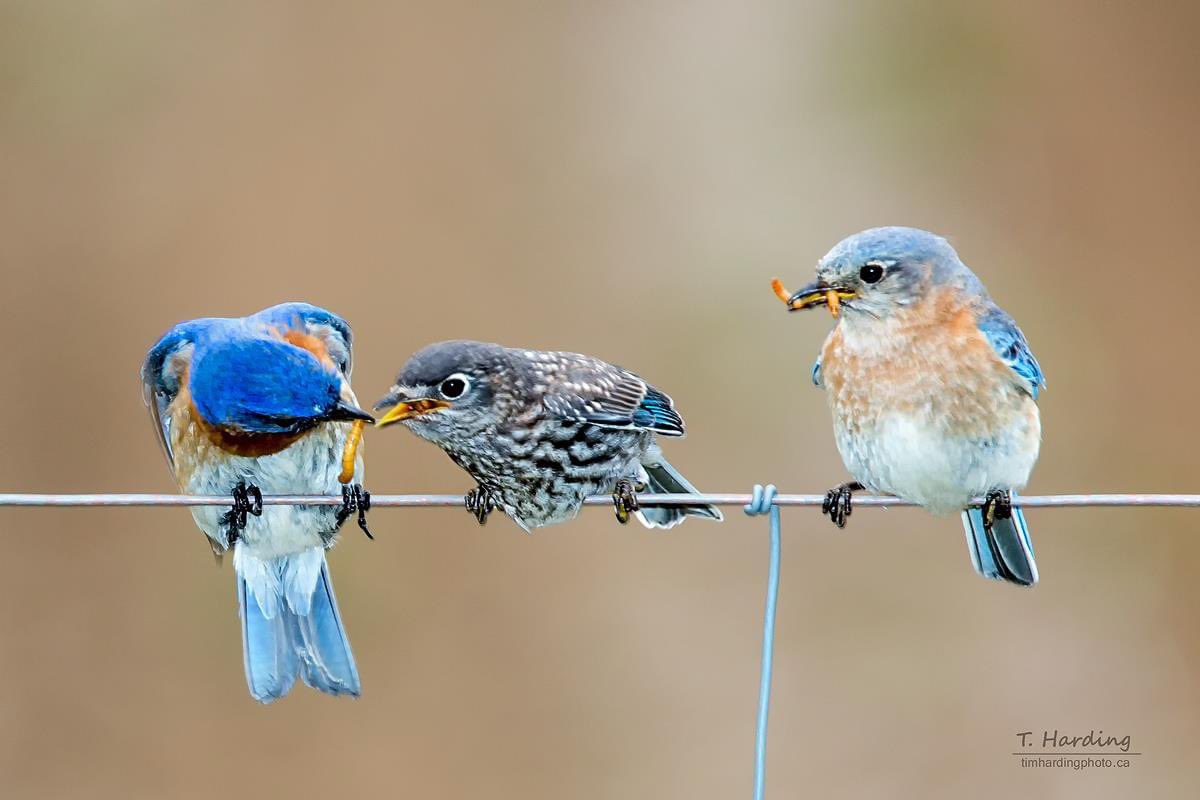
(623, 180)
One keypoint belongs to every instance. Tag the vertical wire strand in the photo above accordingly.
(763, 502)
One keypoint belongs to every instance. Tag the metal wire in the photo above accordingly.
(649, 500)
(762, 502)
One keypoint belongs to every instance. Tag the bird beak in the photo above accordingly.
(347, 412)
(400, 408)
(815, 294)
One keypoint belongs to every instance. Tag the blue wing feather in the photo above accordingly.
(334, 331)
(816, 372)
(1009, 343)
(288, 312)
(160, 385)
(657, 413)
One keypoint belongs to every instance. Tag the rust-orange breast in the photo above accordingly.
(931, 361)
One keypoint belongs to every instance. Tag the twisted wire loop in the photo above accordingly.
(649, 500)
(762, 501)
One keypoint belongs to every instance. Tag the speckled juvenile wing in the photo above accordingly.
(1009, 343)
(585, 389)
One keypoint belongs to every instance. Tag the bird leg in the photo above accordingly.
(480, 503)
(625, 500)
(246, 500)
(837, 502)
(997, 505)
(355, 498)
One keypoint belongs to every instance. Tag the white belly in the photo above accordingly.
(309, 466)
(916, 459)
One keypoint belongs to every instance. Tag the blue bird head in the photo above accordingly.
(277, 372)
(881, 270)
(256, 384)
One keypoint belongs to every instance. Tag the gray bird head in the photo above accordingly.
(447, 391)
(881, 270)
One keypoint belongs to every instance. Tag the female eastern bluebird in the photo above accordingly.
(263, 404)
(539, 432)
(932, 388)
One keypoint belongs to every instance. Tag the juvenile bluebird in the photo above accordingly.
(932, 388)
(263, 404)
(540, 431)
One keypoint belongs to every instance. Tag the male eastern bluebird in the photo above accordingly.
(539, 431)
(932, 388)
(263, 404)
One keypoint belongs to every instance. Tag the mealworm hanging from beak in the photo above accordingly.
(780, 292)
(350, 452)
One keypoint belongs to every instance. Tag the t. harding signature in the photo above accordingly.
(1058, 743)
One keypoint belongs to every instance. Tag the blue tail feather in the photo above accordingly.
(270, 659)
(304, 639)
(1003, 552)
(326, 661)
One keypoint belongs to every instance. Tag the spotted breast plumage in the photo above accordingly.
(541, 431)
(263, 404)
(932, 387)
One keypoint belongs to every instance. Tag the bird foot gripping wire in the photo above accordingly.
(625, 500)
(479, 502)
(997, 505)
(838, 500)
(355, 499)
(762, 501)
(247, 500)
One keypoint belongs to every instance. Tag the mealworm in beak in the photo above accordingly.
(780, 292)
(350, 452)
(834, 302)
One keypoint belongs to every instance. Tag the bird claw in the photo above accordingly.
(997, 505)
(479, 502)
(356, 499)
(838, 502)
(625, 500)
(247, 500)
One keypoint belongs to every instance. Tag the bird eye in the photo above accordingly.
(871, 273)
(455, 386)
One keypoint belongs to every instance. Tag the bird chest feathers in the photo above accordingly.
(934, 366)
(308, 465)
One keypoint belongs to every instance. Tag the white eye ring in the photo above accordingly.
(450, 387)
